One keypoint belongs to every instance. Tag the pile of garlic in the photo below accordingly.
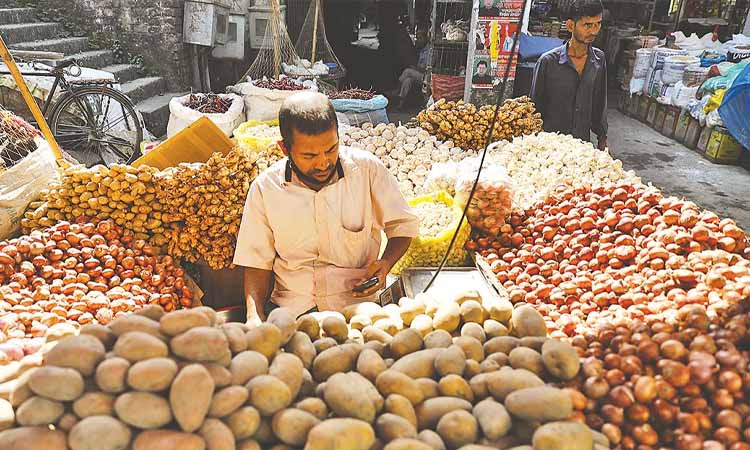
(539, 163)
(434, 218)
(408, 153)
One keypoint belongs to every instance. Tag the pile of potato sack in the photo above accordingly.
(430, 373)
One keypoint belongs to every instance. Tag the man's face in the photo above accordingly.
(482, 70)
(488, 3)
(585, 29)
(314, 155)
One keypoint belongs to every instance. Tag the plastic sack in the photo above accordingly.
(682, 94)
(492, 200)
(429, 251)
(357, 119)
(714, 101)
(735, 109)
(674, 68)
(442, 177)
(250, 138)
(262, 104)
(359, 106)
(643, 57)
(713, 119)
(181, 116)
(723, 82)
(21, 184)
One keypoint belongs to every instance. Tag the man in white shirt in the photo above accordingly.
(312, 223)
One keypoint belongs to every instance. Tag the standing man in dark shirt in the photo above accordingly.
(570, 82)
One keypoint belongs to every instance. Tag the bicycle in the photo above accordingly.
(92, 121)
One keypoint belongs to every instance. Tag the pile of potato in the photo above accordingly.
(185, 381)
(468, 126)
(124, 194)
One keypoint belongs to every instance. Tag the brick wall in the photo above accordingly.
(150, 28)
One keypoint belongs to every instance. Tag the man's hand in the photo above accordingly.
(380, 269)
(602, 143)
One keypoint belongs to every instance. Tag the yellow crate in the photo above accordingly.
(722, 148)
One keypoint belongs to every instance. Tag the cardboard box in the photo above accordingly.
(680, 132)
(703, 139)
(693, 134)
(671, 115)
(722, 148)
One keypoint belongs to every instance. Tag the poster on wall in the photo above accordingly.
(498, 21)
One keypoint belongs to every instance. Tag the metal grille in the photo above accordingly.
(450, 35)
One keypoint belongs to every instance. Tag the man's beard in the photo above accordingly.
(311, 180)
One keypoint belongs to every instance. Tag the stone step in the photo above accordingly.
(143, 88)
(94, 59)
(66, 46)
(123, 72)
(25, 32)
(10, 16)
(155, 112)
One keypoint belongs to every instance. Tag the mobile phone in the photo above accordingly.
(367, 284)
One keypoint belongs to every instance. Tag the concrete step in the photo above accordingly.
(25, 32)
(143, 88)
(10, 16)
(66, 46)
(93, 59)
(123, 72)
(155, 112)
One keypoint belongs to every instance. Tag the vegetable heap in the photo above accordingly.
(353, 94)
(208, 103)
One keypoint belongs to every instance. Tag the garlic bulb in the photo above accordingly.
(434, 218)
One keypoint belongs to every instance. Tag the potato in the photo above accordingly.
(507, 380)
(7, 416)
(292, 426)
(472, 348)
(66, 422)
(99, 433)
(405, 342)
(301, 345)
(560, 359)
(83, 353)
(563, 436)
(153, 312)
(540, 404)
(56, 383)
(283, 319)
(407, 444)
(493, 328)
(478, 384)
(264, 339)
(335, 327)
(526, 358)
(314, 406)
(247, 365)
(429, 387)
(600, 439)
(423, 324)
(457, 428)
(419, 364)
(472, 311)
(248, 444)
(498, 309)
(368, 309)
(373, 333)
(111, 374)
(527, 321)
(431, 410)
(268, 394)
(502, 344)
(333, 360)
(288, 368)
(152, 375)
(432, 439)
(104, 334)
(265, 435)
(359, 322)
(134, 322)
(308, 384)
(533, 342)
(94, 404)
(410, 309)
(235, 337)
(209, 312)
(370, 364)
(143, 410)
(200, 344)
(190, 396)
(339, 434)
(450, 361)
(355, 337)
(38, 411)
(472, 369)
(345, 397)
(522, 447)
(447, 317)
(137, 346)
(394, 382)
(488, 365)
(474, 330)
(309, 325)
(391, 426)
(244, 422)
(324, 344)
(32, 438)
(390, 325)
(168, 440)
(401, 406)
(227, 401)
(500, 358)
(454, 386)
(493, 418)
(438, 339)
(217, 435)
(180, 321)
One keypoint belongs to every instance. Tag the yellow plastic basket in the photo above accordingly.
(428, 251)
(247, 141)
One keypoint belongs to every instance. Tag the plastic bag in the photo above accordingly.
(492, 200)
(428, 251)
(21, 184)
(357, 119)
(181, 116)
(714, 101)
(442, 177)
(250, 138)
(735, 109)
(359, 106)
(682, 94)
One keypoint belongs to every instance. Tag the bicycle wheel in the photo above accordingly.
(97, 125)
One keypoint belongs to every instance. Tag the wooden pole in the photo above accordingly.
(315, 32)
(275, 28)
(29, 99)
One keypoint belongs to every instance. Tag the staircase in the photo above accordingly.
(22, 31)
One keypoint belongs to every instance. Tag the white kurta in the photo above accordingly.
(318, 243)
